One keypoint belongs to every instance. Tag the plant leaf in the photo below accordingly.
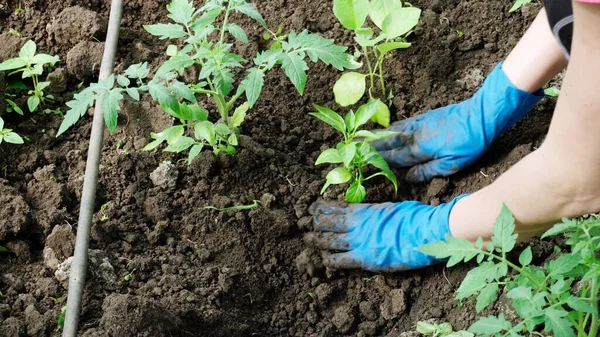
(560, 228)
(349, 88)
(166, 31)
(320, 48)
(355, 193)
(580, 305)
(504, 228)
(10, 64)
(205, 131)
(15, 107)
(194, 152)
(366, 112)
(33, 102)
(177, 63)
(239, 115)
(123, 81)
(12, 138)
(245, 8)
(518, 4)
(487, 295)
(45, 58)
(295, 68)
(455, 248)
(400, 22)
(181, 11)
(556, 323)
(27, 52)
(133, 93)
(490, 325)
(330, 117)
(331, 156)
(338, 175)
(181, 144)
(77, 108)
(110, 108)
(426, 328)
(237, 32)
(139, 70)
(525, 257)
(254, 83)
(389, 46)
(351, 13)
(348, 152)
(381, 8)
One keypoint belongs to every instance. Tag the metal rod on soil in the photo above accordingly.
(88, 196)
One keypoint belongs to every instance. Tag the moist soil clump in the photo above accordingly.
(168, 266)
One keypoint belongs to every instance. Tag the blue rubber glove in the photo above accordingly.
(378, 237)
(443, 141)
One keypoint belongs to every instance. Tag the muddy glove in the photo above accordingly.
(378, 237)
(443, 141)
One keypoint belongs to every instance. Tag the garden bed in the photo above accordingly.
(163, 264)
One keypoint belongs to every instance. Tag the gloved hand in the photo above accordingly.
(378, 237)
(443, 141)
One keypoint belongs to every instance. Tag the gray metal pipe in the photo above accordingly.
(88, 196)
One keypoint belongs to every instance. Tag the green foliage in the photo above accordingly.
(354, 153)
(208, 49)
(440, 330)
(394, 22)
(7, 135)
(31, 65)
(518, 4)
(60, 322)
(560, 298)
(552, 91)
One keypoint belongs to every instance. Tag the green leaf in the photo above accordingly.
(348, 152)
(177, 63)
(77, 108)
(133, 93)
(566, 225)
(223, 79)
(33, 102)
(562, 265)
(487, 295)
(520, 293)
(232, 140)
(45, 58)
(139, 70)
(426, 328)
(382, 115)
(580, 305)
(381, 8)
(205, 131)
(366, 112)
(389, 46)
(253, 83)
(27, 52)
(330, 117)
(182, 90)
(518, 4)
(162, 94)
(2, 248)
(166, 30)
(355, 193)
(331, 156)
(237, 32)
(377, 160)
(504, 228)
(11, 64)
(172, 50)
(338, 175)
(552, 91)
(12, 138)
(350, 121)
(239, 115)
(1, 125)
(194, 152)
(490, 325)
(400, 22)
(181, 11)
(349, 88)
(155, 143)
(351, 13)
(173, 133)
(460, 333)
(295, 68)
(320, 48)
(455, 248)
(245, 8)
(206, 19)
(15, 107)
(123, 81)
(525, 257)
(181, 144)
(38, 69)
(110, 108)
(556, 322)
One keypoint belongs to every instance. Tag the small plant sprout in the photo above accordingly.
(518, 4)
(31, 65)
(203, 48)
(441, 330)
(16, 33)
(561, 298)
(394, 22)
(7, 135)
(4, 249)
(129, 276)
(552, 91)
(61, 318)
(354, 152)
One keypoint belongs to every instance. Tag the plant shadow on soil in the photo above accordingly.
(199, 272)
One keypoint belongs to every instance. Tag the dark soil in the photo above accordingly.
(162, 264)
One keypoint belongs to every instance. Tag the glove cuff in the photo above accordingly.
(504, 104)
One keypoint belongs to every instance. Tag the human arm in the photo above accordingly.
(562, 177)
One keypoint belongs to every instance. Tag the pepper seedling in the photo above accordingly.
(207, 50)
(354, 152)
(394, 21)
(31, 65)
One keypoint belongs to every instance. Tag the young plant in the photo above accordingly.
(207, 50)
(31, 65)
(440, 330)
(561, 298)
(7, 135)
(394, 21)
(354, 152)
(518, 4)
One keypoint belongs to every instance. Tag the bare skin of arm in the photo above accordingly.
(562, 177)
